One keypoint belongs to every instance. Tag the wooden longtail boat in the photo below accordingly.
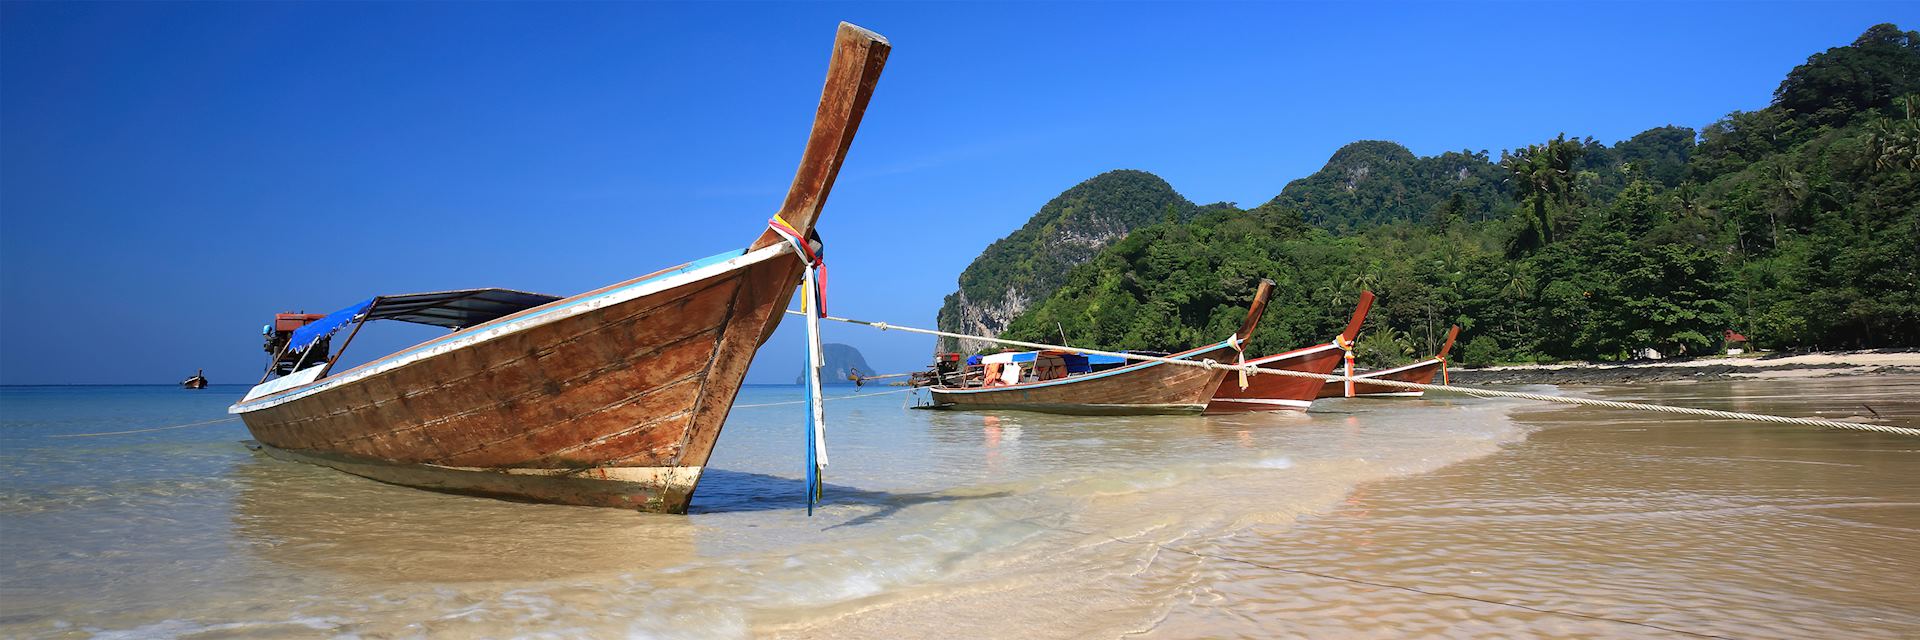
(613, 397)
(1145, 387)
(1421, 372)
(197, 381)
(1290, 393)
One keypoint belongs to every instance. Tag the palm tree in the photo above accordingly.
(1790, 188)
(1542, 175)
(1894, 144)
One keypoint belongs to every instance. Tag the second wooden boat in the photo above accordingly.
(1053, 385)
(1421, 372)
(1290, 393)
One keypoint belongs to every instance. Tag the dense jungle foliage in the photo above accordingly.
(1797, 225)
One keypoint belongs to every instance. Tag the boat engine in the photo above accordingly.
(945, 370)
(280, 331)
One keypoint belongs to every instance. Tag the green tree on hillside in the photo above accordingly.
(1544, 181)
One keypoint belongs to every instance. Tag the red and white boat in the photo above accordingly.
(1290, 393)
(1421, 372)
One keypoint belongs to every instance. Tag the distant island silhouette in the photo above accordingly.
(841, 360)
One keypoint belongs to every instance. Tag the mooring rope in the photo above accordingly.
(122, 433)
(851, 397)
(1476, 392)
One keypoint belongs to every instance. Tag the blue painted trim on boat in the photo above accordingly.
(1090, 376)
(554, 308)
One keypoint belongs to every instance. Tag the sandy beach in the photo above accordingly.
(1769, 365)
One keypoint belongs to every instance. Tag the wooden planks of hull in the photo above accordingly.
(1279, 393)
(619, 387)
(1290, 393)
(1421, 372)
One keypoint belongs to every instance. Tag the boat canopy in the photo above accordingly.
(1007, 356)
(451, 309)
(1076, 363)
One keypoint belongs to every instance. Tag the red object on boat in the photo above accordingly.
(292, 321)
(1289, 393)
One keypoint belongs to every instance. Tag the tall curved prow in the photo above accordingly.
(1259, 308)
(1359, 316)
(1447, 346)
(858, 57)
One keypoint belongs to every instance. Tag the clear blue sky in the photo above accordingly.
(171, 174)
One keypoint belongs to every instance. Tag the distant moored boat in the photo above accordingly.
(1291, 393)
(1421, 372)
(198, 381)
(1061, 381)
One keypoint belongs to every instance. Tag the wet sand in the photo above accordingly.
(1653, 526)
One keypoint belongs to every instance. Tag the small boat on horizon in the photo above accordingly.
(197, 381)
(1421, 372)
(1291, 393)
(613, 397)
(1068, 382)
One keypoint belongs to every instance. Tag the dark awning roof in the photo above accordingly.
(456, 309)
(451, 309)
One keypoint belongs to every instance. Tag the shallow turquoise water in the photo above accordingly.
(185, 532)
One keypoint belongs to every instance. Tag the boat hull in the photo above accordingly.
(1275, 392)
(1419, 372)
(1135, 389)
(643, 488)
(594, 400)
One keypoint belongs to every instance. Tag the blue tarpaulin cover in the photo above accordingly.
(314, 331)
(1099, 360)
(456, 309)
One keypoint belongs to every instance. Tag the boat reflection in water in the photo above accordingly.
(307, 519)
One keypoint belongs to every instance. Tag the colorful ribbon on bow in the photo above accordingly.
(813, 306)
(1239, 348)
(1346, 346)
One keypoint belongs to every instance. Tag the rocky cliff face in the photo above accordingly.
(1017, 271)
(842, 359)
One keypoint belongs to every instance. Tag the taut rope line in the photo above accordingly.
(122, 433)
(851, 397)
(1479, 393)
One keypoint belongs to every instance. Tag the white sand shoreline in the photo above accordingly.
(1761, 365)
